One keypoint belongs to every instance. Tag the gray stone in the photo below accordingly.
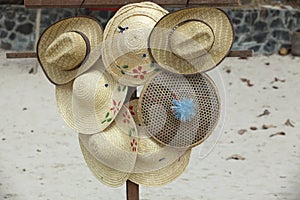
(251, 17)
(9, 24)
(275, 13)
(236, 21)
(261, 37)
(3, 34)
(12, 36)
(21, 17)
(25, 28)
(10, 13)
(242, 29)
(281, 35)
(277, 23)
(53, 17)
(239, 14)
(264, 13)
(260, 26)
(32, 16)
(5, 45)
(287, 46)
(255, 48)
(270, 46)
(68, 13)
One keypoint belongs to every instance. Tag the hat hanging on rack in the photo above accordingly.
(156, 164)
(179, 110)
(69, 47)
(111, 154)
(191, 40)
(125, 47)
(92, 101)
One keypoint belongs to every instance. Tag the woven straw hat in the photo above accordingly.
(90, 102)
(156, 164)
(125, 49)
(69, 47)
(113, 152)
(179, 110)
(191, 40)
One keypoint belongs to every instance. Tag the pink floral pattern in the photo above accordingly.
(133, 145)
(139, 72)
(116, 106)
(126, 118)
(131, 110)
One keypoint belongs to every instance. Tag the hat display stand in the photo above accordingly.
(132, 189)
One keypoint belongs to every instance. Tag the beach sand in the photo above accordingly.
(40, 158)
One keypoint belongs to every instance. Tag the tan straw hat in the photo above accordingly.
(92, 101)
(69, 47)
(191, 40)
(112, 153)
(156, 164)
(179, 110)
(125, 48)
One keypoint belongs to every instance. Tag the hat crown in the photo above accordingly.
(191, 39)
(68, 51)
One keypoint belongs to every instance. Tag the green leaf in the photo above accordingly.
(118, 67)
(119, 88)
(103, 121)
(122, 72)
(124, 88)
(107, 114)
(109, 119)
(152, 64)
(156, 69)
(125, 67)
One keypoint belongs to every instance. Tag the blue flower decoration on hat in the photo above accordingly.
(184, 109)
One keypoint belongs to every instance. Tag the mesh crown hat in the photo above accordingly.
(92, 101)
(69, 47)
(179, 110)
(111, 154)
(125, 47)
(191, 40)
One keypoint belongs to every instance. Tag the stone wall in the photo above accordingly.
(265, 30)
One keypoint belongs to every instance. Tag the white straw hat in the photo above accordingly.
(92, 101)
(69, 47)
(115, 148)
(125, 48)
(191, 40)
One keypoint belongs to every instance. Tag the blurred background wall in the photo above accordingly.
(264, 26)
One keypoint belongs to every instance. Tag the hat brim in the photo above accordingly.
(86, 25)
(217, 20)
(131, 67)
(95, 116)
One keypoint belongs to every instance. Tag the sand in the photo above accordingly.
(40, 158)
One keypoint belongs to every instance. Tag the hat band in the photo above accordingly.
(190, 20)
(88, 49)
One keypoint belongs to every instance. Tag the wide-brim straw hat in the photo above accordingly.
(125, 44)
(91, 102)
(179, 110)
(69, 47)
(115, 148)
(191, 40)
(156, 164)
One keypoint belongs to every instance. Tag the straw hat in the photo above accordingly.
(125, 49)
(112, 153)
(191, 40)
(69, 47)
(90, 102)
(156, 164)
(179, 110)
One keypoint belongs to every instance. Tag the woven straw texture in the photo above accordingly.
(191, 40)
(104, 174)
(62, 48)
(156, 115)
(164, 175)
(115, 147)
(92, 101)
(125, 49)
(152, 155)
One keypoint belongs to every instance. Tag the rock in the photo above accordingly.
(261, 37)
(239, 14)
(261, 26)
(242, 29)
(21, 18)
(277, 23)
(9, 25)
(281, 35)
(10, 14)
(3, 34)
(270, 46)
(12, 36)
(25, 28)
(236, 21)
(255, 48)
(5, 45)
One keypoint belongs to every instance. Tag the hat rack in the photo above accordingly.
(132, 189)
